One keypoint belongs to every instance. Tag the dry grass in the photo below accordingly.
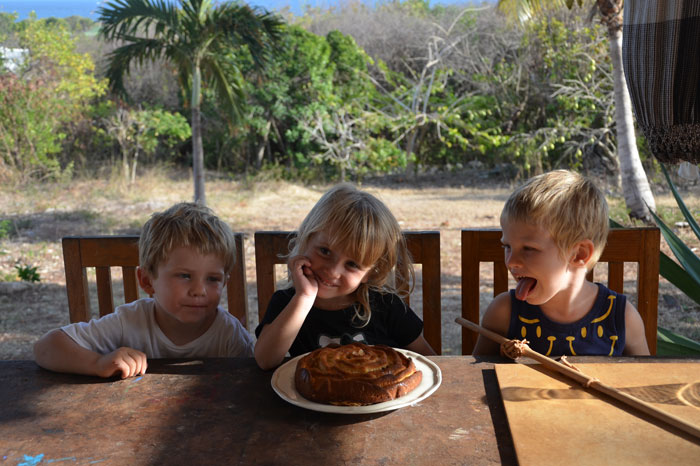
(40, 215)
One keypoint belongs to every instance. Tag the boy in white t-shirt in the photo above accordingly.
(185, 256)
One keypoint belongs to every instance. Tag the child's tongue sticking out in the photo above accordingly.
(524, 287)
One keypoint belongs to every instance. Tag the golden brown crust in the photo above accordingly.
(355, 374)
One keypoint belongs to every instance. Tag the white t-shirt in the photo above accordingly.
(134, 325)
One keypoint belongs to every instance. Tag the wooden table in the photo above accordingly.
(224, 411)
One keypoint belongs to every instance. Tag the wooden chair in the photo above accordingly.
(103, 252)
(424, 247)
(640, 245)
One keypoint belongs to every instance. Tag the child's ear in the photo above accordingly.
(582, 253)
(145, 281)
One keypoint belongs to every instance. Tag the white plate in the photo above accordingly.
(283, 385)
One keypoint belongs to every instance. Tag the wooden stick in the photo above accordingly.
(589, 382)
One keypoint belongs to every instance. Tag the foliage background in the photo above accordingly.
(350, 92)
(399, 92)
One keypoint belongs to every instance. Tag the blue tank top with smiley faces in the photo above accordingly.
(601, 332)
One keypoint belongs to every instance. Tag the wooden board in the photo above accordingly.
(556, 421)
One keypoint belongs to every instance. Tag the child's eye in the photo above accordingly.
(184, 275)
(215, 279)
(354, 265)
(324, 251)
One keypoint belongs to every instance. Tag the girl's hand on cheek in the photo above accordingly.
(303, 277)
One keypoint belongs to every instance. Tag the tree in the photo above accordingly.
(140, 131)
(424, 63)
(296, 85)
(50, 92)
(196, 39)
(426, 98)
(635, 185)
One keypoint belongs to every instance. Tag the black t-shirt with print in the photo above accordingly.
(392, 323)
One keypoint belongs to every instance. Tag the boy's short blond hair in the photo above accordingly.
(186, 224)
(570, 207)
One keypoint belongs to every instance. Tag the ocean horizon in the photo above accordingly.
(88, 8)
(51, 8)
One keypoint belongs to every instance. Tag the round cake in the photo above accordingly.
(355, 374)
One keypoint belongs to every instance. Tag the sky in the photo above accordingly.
(63, 8)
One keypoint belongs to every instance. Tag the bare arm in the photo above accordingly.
(58, 352)
(421, 346)
(635, 338)
(496, 319)
(277, 337)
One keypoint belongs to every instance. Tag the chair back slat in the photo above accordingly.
(648, 283)
(237, 288)
(269, 246)
(500, 278)
(76, 281)
(104, 252)
(424, 247)
(616, 276)
(630, 245)
(131, 287)
(105, 296)
(479, 246)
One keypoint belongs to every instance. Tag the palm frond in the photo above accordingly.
(681, 205)
(119, 18)
(686, 257)
(679, 278)
(197, 33)
(673, 272)
(247, 26)
(526, 10)
(135, 52)
(227, 82)
(672, 344)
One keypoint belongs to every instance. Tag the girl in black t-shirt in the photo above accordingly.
(340, 267)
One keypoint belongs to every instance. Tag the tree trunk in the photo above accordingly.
(280, 141)
(260, 152)
(411, 167)
(125, 163)
(133, 168)
(635, 185)
(197, 150)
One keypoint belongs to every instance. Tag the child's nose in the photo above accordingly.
(336, 269)
(197, 288)
(511, 259)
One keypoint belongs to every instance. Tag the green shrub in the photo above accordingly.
(27, 273)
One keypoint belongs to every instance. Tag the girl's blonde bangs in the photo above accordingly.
(360, 241)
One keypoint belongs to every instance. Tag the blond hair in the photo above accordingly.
(185, 225)
(570, 207)
(361, 226)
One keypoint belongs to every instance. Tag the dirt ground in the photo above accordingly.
(33, 220)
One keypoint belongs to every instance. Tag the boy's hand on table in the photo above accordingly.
(128, 361)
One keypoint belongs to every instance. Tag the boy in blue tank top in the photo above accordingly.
(554, 229)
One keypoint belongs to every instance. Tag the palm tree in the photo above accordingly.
(197, 39)
(635, 185)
